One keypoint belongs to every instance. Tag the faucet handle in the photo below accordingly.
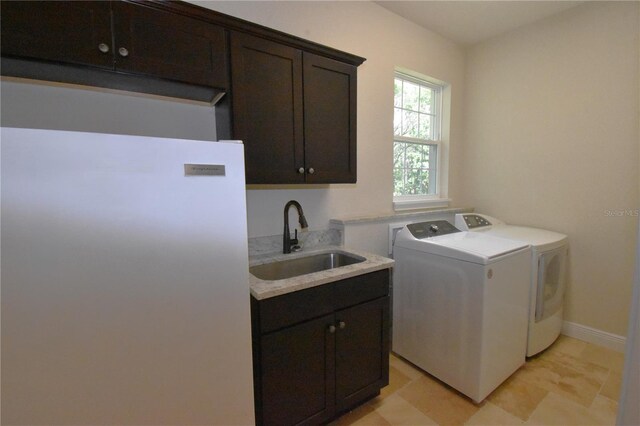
(295, 244)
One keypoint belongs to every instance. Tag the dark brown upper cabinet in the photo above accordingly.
(69, 32)
(329, 120)
(122, 45)
(267, 108)
(169, 46)
(295, 111)
(291, 101)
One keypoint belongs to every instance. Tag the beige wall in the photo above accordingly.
(387, 41)
(551, 137)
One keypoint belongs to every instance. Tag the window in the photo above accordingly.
(417, 124)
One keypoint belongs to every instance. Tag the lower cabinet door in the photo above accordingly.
(298, 373)
(362, 352)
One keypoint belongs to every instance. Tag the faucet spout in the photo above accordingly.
(287, 241)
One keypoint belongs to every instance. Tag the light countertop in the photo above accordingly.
(400, 216)
(261, 289)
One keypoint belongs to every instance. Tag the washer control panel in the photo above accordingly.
(430, 229)
(475, 221)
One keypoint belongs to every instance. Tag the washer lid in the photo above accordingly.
(541, 239)
(473, 247)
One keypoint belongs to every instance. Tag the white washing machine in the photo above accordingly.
(548, 267)
(460, 305)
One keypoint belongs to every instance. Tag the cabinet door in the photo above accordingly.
(329, 120)
(61, 31)
(166, 45)
(267, 108)
(297, 374)
(362, 352)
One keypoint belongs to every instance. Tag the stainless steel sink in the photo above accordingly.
(303, 265)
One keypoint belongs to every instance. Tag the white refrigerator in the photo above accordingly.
(125, 295)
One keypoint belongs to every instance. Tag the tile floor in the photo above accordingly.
(571, 383)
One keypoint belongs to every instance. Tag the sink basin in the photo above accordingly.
(303, 265)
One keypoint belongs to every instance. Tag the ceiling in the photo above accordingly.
(470, 22)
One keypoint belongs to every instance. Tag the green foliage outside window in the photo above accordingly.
(411, 168)
(414, 159)
(413, 110)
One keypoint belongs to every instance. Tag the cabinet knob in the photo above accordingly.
(332, 329)
(342, 324)
(301, 170)
(104, 48)
(123, 52)
(311, 171)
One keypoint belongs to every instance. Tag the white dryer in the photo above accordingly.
(460, 305)
(548, 267)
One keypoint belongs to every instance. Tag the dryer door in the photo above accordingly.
(551, 282)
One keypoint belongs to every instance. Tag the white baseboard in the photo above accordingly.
(593, 335)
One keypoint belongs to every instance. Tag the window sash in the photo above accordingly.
(430, 171)
(436, 103)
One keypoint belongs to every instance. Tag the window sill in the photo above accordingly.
(420, 203)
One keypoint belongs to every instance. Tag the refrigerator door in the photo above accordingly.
(125, 295)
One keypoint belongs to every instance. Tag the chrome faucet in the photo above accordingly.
(287, 242)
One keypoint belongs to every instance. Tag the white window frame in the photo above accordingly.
(433, 199)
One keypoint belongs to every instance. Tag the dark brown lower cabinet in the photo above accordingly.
(362, 356)
(298, 373)
(314, 368)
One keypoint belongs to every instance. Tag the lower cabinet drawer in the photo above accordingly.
(361, 288)
(282, 311)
